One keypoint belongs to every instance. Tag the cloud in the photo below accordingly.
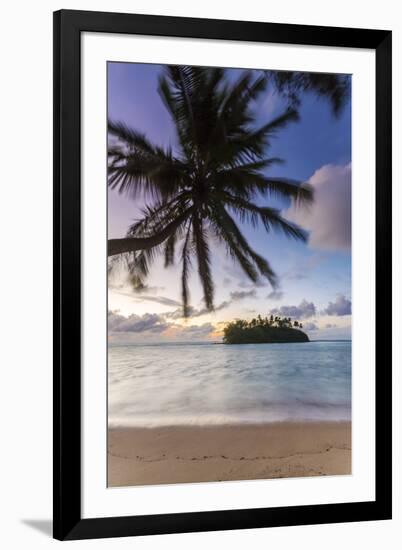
(310, 326)
(193, 312)
(237, 295)
(205, 311)
(303, 266)
(237, 276)
(197, 331)
(159, 300)
(178, 313)
(275, 295)
(152, 325)
(145, 289)
(303, 311)
(341, 306)
(328, 219)
(257, 284)
(294, 276)
(141, 295)
(150, 322)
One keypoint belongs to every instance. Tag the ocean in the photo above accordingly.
(206, 383)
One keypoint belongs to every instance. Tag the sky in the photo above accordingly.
(314, 277)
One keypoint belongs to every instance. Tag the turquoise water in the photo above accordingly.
(174, 384)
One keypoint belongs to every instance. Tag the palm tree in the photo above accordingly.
(292, 84)
(209, 184)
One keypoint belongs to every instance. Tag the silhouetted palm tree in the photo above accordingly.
(213, 178)
(292, 84)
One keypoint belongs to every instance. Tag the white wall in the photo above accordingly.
(25, 301)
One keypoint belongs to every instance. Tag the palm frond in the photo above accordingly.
(169, 249)
(138, 166)
(229, 226)
(301, 193)
(177, 88)
(203, 259)
(291, 84)
(253, 143)
(130, 137)
(155, 218)
(269, 217)
(225, 234)
(264, 267)
(238, 97)
(139, 263)
(279, 122)
(245, 181)
(244, 144)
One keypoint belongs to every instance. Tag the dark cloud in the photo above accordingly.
(303, 311)
(341, 306)
(242, 294)
(330, 325)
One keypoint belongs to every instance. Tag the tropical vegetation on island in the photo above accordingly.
(209, 185)
(272, 329)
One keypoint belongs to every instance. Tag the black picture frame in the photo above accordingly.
(68, 26)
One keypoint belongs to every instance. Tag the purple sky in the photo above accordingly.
(315, 278)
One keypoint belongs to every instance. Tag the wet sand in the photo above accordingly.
(185, 454)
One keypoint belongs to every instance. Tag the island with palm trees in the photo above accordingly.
(264, 330)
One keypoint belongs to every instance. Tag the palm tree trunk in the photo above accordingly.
(132, 244)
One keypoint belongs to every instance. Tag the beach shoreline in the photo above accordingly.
(194, 453)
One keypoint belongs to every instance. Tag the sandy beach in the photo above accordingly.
(185, 454)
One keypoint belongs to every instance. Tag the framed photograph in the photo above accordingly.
(222, 275)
